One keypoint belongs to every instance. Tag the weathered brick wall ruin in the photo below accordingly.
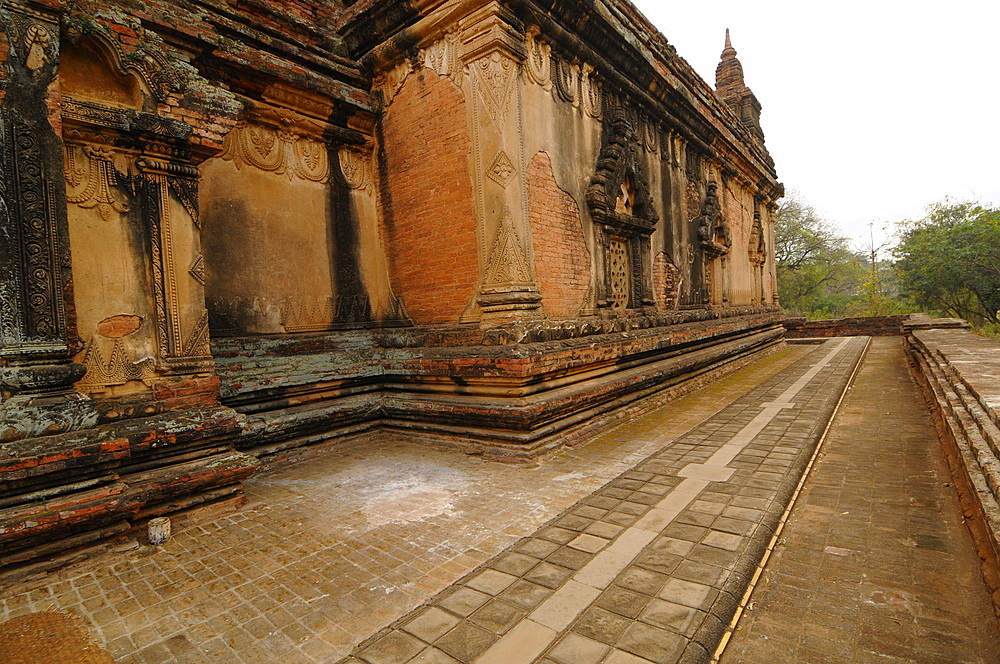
(959, 372)
(871, 326)
(232, 228)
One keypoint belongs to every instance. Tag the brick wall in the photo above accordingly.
(875, 326)
(666, 281)
(4, 55)
(430, 226)
(562, 260)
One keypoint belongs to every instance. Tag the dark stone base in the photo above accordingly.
(515, 401)
(73, 489)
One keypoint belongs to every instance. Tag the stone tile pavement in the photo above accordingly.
(334, 547)
(649, 568)
(633, 548)
(875, 564)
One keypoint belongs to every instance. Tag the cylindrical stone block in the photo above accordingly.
(158, 530)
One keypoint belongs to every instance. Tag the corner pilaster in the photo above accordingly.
(36, 330)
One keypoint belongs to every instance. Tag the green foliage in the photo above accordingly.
(819, 275)
(949, 261)
(991, 330)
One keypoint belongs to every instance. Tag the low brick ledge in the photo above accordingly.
(959, 372)
(867, 326)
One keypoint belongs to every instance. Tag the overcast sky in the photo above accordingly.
(871, 109)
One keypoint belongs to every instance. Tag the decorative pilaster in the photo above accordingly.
(36, 373)
(715, 240)
(491, 53)
(758, 253)
(170, 205)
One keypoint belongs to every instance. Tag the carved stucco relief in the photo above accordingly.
(574, 82)
(501, 170)
(37, 47)
(494, 77)
(507, 262)
(91, 181)
(356, 168)
(277, 151)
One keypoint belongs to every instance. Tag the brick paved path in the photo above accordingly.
(876, 564)
(649, 568)
(631, 549)
(335, 547)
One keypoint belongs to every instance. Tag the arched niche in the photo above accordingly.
(131, 193)
(89, 71)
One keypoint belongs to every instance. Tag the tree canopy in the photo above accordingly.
(949, 261)
(819, 275)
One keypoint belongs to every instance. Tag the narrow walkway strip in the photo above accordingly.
(650, 567)
(877, 564)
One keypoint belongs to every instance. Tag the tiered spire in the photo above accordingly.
(731, 87)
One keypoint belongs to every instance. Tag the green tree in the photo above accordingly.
(949, 261)
(819, 275)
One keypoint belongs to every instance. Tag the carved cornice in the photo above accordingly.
(302, 101)
(80, 113)
(491, 28)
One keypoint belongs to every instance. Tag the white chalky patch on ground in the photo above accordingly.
(408, 503)
(576, 475)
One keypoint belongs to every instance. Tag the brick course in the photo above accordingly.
(429, 217)
(561, 260)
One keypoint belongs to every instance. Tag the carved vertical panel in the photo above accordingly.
(619, 273)
(181, 320)
(492, 51)
(33, 255)
(379, 302)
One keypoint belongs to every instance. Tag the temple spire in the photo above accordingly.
(729, 73)
(731, 88)
(729, 47)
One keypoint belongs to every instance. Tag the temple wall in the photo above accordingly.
(459, 222)
(429, 220)
(278, 274)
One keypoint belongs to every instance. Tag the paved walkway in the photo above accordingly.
(634, 548)
(649, 568)
(875, 564)
(333, 548)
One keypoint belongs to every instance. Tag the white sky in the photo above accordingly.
(871, 109)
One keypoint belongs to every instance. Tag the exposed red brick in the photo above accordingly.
(666, 281)
(187, 391)
(561, 257)
(430, 220)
